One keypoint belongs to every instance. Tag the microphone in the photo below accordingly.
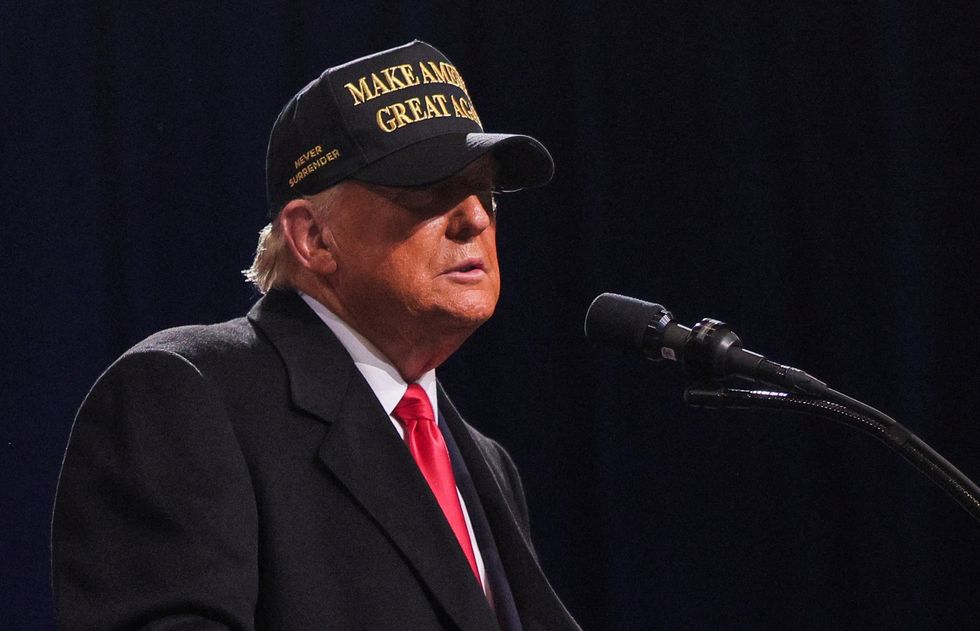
(709, 351)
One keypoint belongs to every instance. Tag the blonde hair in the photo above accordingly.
(268, 267)
(273, 263)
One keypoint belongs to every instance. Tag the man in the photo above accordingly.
(301, 468)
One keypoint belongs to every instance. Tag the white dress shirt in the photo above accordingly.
(389, 387)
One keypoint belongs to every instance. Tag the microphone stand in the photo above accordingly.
(711, 352)
(843, 409)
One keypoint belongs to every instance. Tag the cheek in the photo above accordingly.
(488, 240)
(406, 277)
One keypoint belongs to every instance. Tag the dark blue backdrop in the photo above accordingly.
(807, 172)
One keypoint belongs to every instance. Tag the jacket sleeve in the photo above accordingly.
(155, 520)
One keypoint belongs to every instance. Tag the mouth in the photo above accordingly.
(469, 270)
(469, 265)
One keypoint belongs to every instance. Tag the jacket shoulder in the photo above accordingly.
(210, 348)
(201, 340)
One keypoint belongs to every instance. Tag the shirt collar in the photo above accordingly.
(380, 374)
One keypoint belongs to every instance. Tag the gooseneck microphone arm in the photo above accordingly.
(887, 430)
(711, 354)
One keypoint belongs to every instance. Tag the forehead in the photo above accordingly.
(363, 202)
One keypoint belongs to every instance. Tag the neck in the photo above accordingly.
(412, 345)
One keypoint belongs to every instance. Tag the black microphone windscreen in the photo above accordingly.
(619, 321)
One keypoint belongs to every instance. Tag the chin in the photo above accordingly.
(473, 318)
(471, 314)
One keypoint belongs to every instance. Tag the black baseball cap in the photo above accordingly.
(400, 117)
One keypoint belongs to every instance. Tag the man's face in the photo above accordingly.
(417, 256)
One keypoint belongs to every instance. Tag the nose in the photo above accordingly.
(469, 218)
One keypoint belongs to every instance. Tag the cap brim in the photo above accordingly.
(521, 161)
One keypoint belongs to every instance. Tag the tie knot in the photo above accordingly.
(414, 406)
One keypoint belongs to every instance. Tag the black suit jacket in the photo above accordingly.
(243, 475)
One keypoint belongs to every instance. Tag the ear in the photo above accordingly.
(307, 237)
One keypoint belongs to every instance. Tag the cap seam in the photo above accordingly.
(347, 126)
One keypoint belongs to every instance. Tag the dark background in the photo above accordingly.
(807, 172)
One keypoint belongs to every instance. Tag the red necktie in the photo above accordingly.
(429, 450)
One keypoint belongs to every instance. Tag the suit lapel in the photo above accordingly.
(537, 603)
(503, 600)
(365, 454)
